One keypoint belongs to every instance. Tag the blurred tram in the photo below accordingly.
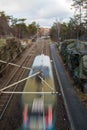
(39, 104)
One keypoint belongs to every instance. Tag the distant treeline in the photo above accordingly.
(77, 26)
(10, 26)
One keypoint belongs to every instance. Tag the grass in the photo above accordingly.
(82, 96)
(2, 42)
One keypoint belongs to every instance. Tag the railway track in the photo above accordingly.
(6, 98)
(46, 48)
(16, 75)
(12, 115)
(6, 75)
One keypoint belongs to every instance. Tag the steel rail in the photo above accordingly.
(8, 101)
(14, 73)
(9, 86)
(20, 66)
(10, 97)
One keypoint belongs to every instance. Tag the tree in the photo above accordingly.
(56, 34)
(4, 24)
(64, 31)
(55, 31)
(19, 28)
(81, 14)
(32, 29)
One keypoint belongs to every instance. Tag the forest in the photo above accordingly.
(14, 27)
(76, 28)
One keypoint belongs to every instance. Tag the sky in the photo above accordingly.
(44, 12)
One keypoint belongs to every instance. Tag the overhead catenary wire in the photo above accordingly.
(46, 83)
(20, 66)
(18, 92)
(13, 92)
(18, 82)
(2, 90)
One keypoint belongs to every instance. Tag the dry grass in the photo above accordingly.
(81, 95)
(2, 42)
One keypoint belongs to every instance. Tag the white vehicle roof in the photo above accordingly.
(41, 60)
